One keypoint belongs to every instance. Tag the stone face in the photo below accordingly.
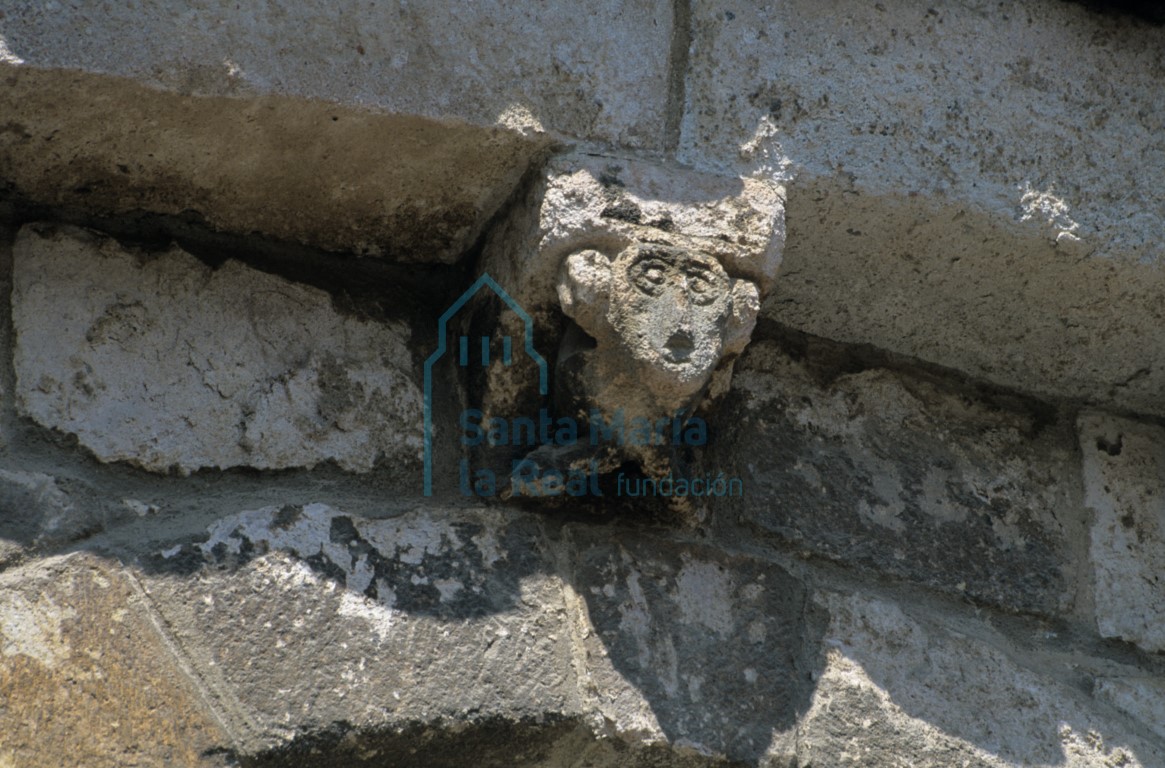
(569, 246)
(86, 680)
(659, 323)
(304, 617)
(906, 688)
(155, 359)
(1124, 487)
(902, 476)
(983, 207)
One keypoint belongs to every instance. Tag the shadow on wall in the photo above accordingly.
(724, 650)
(1148, 10)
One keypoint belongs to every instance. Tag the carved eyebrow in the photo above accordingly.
(660, 256)
(705, 270)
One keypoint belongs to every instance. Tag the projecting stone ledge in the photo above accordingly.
(393, 130)
(160, 361)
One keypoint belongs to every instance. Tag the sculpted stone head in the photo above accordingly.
(660, 270)
(662, 317)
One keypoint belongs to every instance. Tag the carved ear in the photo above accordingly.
(742, 317)
(584, 288)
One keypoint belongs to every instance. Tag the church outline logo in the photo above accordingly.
(463, 356)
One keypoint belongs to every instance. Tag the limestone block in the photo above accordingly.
(158, 360)
(1124, 487)
(982, 205)
(300, 618)
(900, 686)
(598, 70)
(85, 678)
(395, 130)
(902, 475)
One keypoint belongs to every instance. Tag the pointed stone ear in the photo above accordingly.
(584, 288)
(745, 302)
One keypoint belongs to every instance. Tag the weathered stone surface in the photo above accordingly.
(301, 619)
(391, 130)
(690, 646)
(597, 70)
(308, 634)
(7, 235)
(901, 475)
(971, 184)
(588, 200)
(903, 687)
(984, 206)
(329, 175)
(86, 680)
(1124, 487)
(1140, 697)
(156, 359)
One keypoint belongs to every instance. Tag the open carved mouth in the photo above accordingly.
(679, 347)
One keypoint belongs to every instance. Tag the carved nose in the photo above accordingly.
(679, 346)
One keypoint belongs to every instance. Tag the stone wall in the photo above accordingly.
(229, 234)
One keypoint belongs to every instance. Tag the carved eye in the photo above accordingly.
(649, 276)
(702, 290)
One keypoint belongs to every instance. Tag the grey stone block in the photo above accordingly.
(902, 476)
(160, 361)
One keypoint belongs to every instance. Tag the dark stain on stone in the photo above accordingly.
(664, 222)
(1146, 10)
(623, 210)
(491, 741)
(1112, 448)
(322, 564)
(610, 176)
(287, 516)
